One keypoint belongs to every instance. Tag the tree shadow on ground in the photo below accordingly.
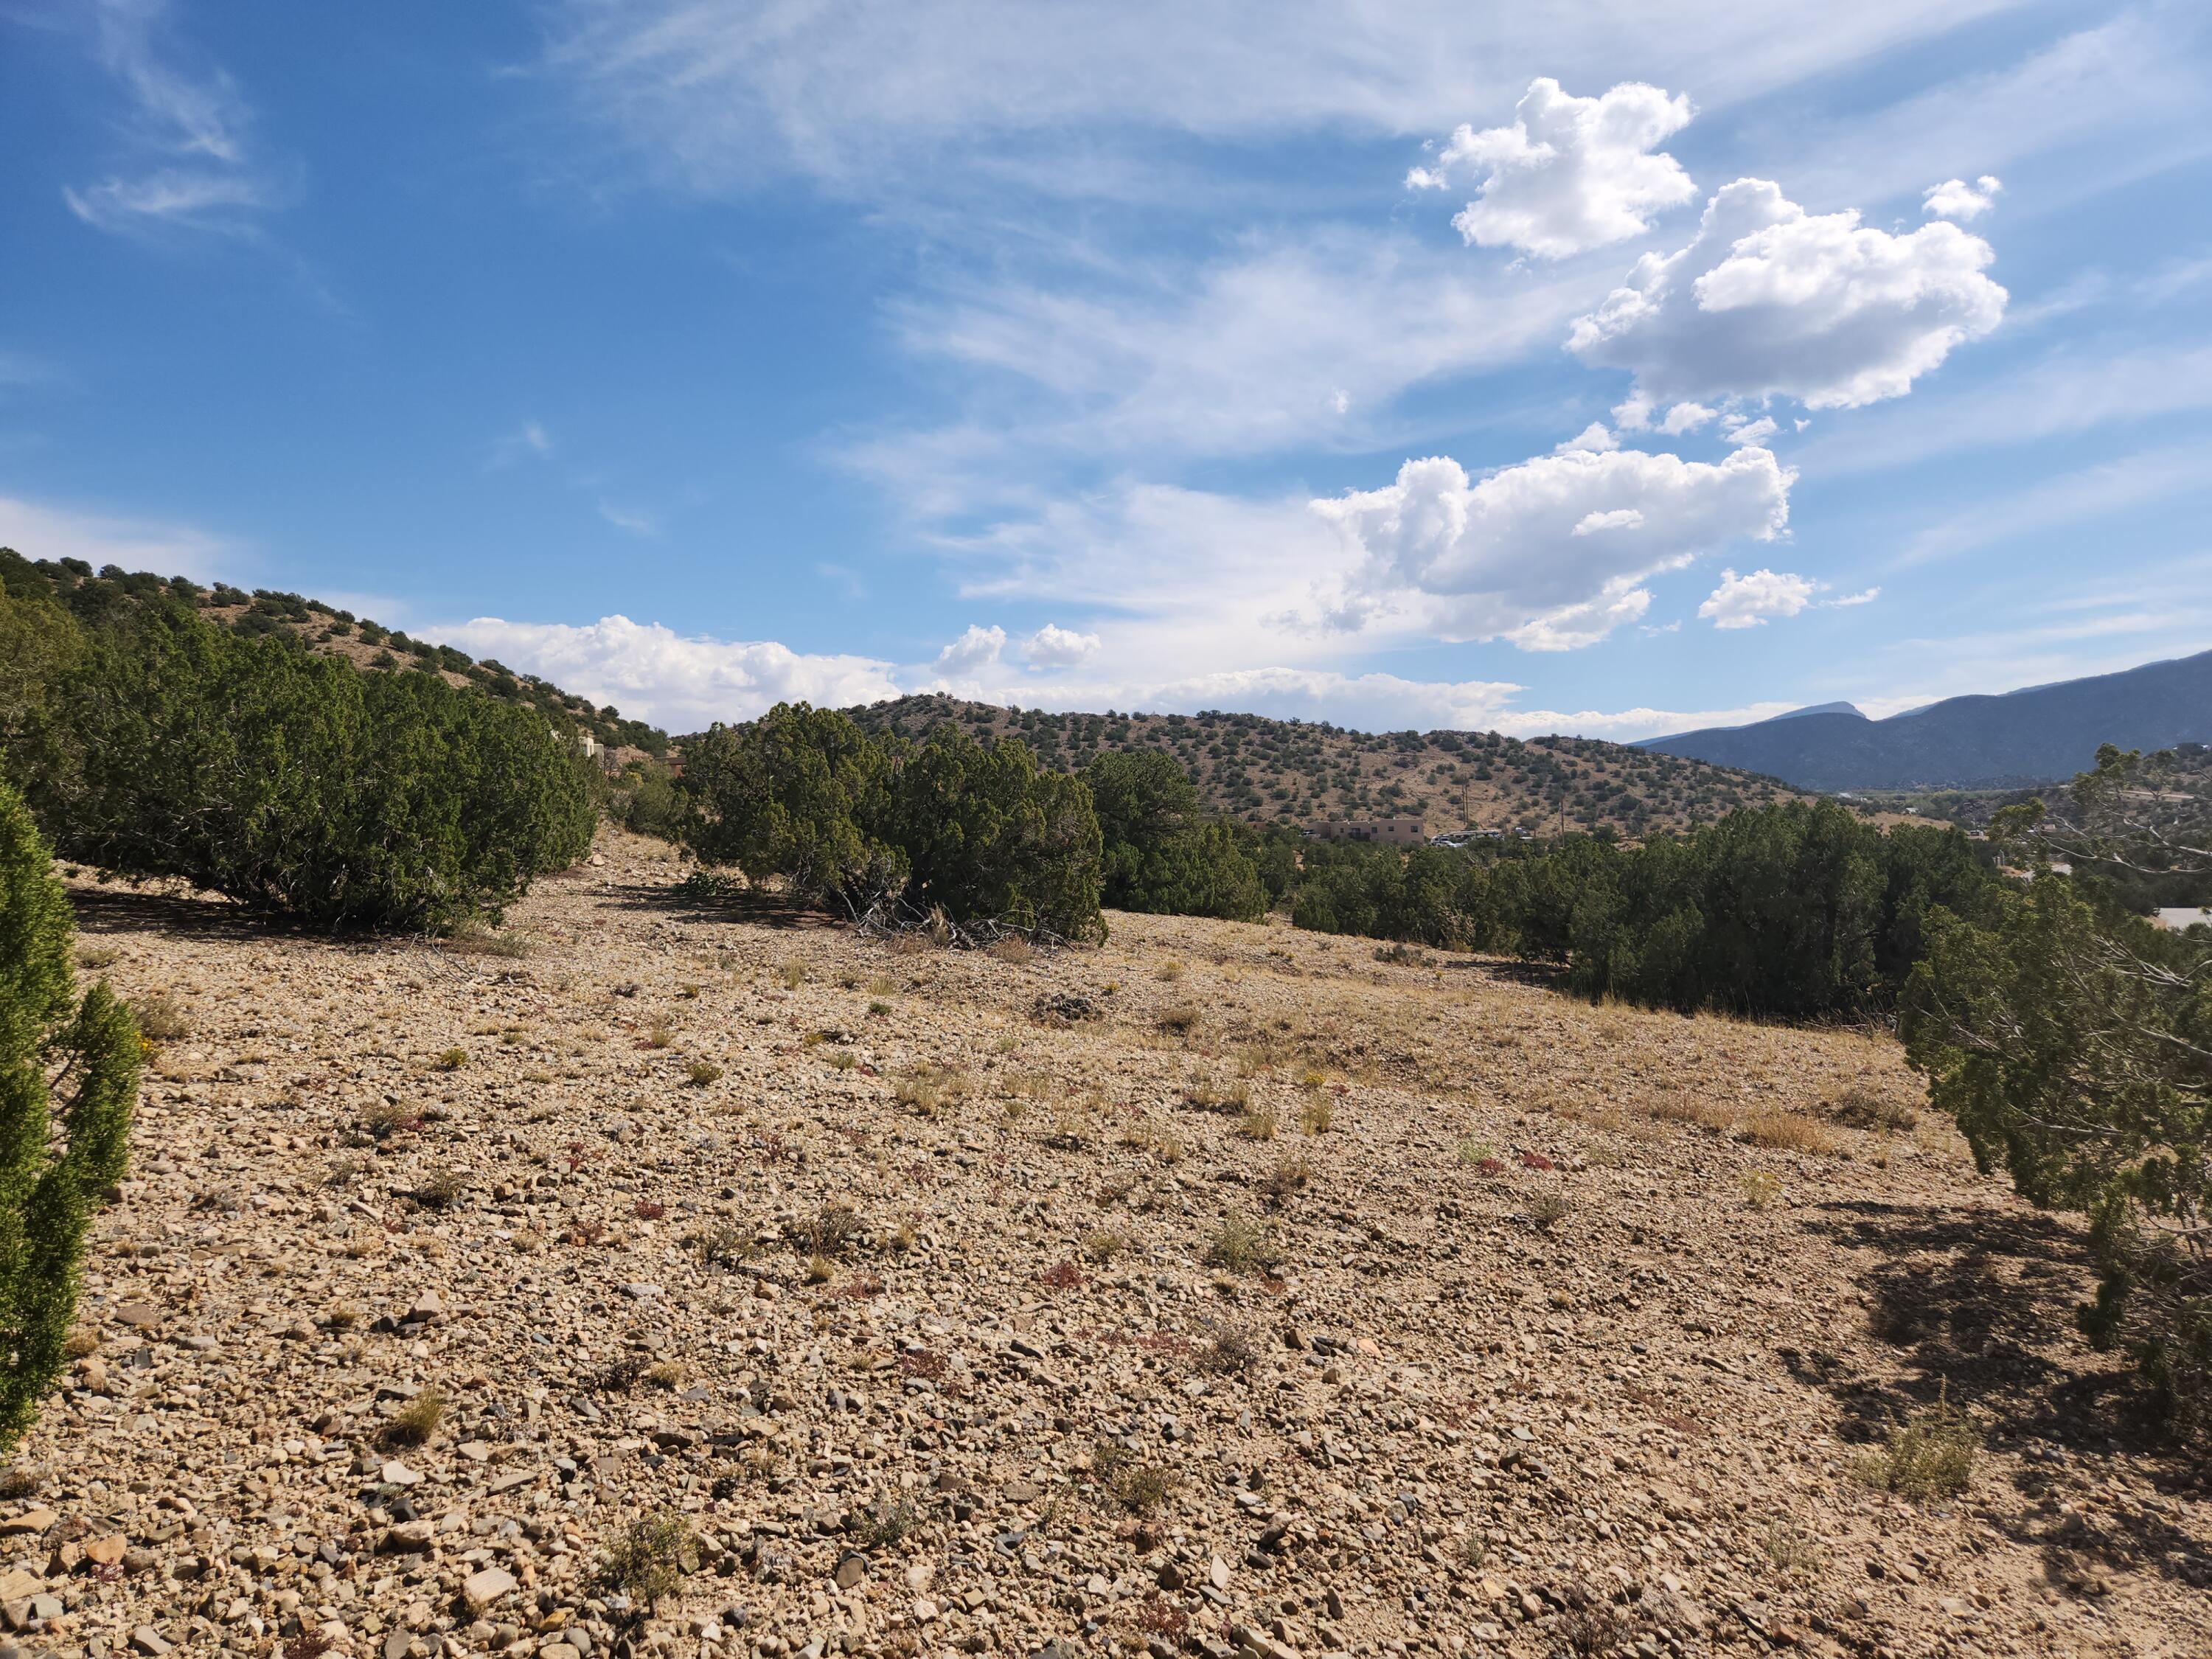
(184, 915)
(1977, 1309)
(746, 908)
(1508, 970)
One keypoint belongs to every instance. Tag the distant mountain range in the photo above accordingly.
(2035, 735)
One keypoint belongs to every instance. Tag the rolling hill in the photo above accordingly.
(1249, 766)
(1293, 772)
(75, 586)
(2023, 737)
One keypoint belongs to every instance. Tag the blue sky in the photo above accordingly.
(1603, 367)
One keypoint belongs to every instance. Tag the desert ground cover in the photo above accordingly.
(1223, 1288)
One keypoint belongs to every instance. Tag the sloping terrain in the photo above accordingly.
(90, 596)
(2024, 738)
(1223, 1288)
(1287, 771)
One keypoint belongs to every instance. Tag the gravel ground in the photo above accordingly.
(1225, 1289)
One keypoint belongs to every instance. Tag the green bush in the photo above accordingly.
(297, 783)
(987, 833)
(1159, 852)
(1799, 910)
(646, 801)
(804, 793)
(53, 1174)
(38, 641)
(1432, 896)
(798, 793)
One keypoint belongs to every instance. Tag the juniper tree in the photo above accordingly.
(69, 1079)
(2072, 1041)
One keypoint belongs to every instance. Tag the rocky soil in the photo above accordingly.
(1224, 1290)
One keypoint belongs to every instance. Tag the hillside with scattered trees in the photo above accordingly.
(1295, 772)
(94, 596)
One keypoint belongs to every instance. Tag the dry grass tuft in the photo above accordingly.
(414, 1423)
(476, 940)
(1548, 1206)
(931, 1091)
(162, 1017)
(1103, 1245)
(440, 1189)
(1786, 1131)
(1072, 1128)
(1476, 1153)
(1013, 950)
(1930, 1455)
(1680, 1106)
(1857, 1108)
(1791, 1549)
(700, 1072)
(387, 1118)
(1289, 1176)
(833, 1232)
(1138, 1487)
(646, 1561)
(1230, 1353)
(1240, 1245)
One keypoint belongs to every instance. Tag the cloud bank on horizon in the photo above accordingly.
(1160, 358)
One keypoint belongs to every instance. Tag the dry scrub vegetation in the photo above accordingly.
(744, 1287)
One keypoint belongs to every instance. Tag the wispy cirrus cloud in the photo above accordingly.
(911, 101)
(43, 530)
(629, 519)
(2098, 491)
(192, 163)
(529, 441)
(2072, 390)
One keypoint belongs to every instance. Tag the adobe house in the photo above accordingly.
(1394, 832)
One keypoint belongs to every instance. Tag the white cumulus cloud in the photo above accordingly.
(975, 651)
(1595, 436)
(1748, 601)
(1548, 554)
(1687, 417)
(1769, 300)
(651, 672)
(1051, 646)
(1954, 199)
(1571, 174)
